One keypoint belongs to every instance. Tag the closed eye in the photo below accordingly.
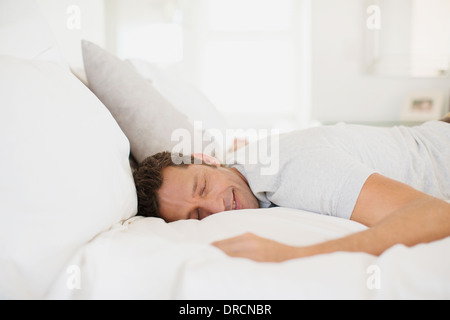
(202, 193)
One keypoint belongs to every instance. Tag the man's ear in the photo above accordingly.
(206, 159)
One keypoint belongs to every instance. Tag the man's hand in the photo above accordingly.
(395, 213)
(256, 248)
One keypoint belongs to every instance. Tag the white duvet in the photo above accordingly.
(146, 258)
(67, 195)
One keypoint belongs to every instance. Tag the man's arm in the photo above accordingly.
(395, 213)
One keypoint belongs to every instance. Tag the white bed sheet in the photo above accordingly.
(146, 258)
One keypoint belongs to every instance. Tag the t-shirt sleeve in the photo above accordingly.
(322, 180)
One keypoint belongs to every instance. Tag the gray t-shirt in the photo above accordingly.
(323, 169)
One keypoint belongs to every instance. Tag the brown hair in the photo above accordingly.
(148, 179)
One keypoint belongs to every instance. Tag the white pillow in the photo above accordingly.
(25, 34)
(145, 116)
(189, 100)
(182, 94)
(64, 173)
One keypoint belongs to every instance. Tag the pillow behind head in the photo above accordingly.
(144, 115)
(183, 95)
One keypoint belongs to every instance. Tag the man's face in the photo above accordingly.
(198, 191)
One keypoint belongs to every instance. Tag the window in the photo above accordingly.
(251, 58)
(157, 42)
(250, 15)
(253, 76)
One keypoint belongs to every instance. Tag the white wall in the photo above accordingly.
(340, 89)
(253, 71)
(72, 21)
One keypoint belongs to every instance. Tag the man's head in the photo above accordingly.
(189, 191)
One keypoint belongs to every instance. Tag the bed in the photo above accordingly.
(68, 202)
(147, 258)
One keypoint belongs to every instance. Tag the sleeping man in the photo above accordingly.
(393, 180)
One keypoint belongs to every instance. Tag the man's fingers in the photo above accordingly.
(236, 245)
